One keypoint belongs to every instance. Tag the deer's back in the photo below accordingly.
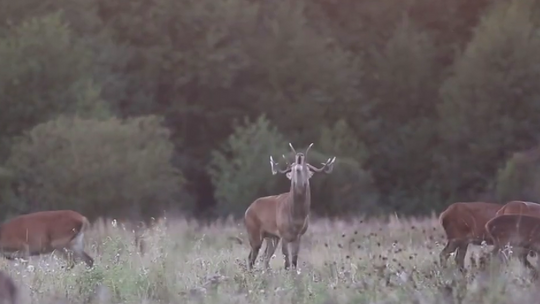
(516, 229)
(468, 220)
(39, 228)
(520, 207)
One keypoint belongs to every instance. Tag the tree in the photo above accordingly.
(99, 167)
(519, 178)
(44, 71)
(350, 188)
(402, 86)
(240, 170)
(490, 103)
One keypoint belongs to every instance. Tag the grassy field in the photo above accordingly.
(358, 262)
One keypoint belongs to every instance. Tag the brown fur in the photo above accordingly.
(283, 217)
(517, 230)
(268, 218)
(464, 224)
(8, 289)
(521, 207)
(44, 232)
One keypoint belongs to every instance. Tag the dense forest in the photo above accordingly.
(129, 108)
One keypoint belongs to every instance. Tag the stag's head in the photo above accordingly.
(301, 171)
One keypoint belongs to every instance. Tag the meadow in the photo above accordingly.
(375, 261)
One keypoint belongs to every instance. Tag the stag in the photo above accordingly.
(285, 216)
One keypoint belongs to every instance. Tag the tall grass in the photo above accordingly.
(340, 262)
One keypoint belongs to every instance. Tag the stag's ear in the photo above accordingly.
(288, 174)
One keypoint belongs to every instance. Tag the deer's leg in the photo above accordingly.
(450, 247)
(285, 251)
(271, 245)
(522, 256)
(295, 248)
(498, 252)
(67, 254)
(460, 255)
(255, 242)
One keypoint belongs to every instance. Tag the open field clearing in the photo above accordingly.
(357, 262)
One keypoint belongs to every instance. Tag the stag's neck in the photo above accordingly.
(300, 201)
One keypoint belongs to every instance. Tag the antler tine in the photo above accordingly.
(285, 159)
(309, 147)
(292, 148)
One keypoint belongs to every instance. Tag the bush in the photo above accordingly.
(99, 167)
(519, 179)
(349, 189)
(490, 104)
(240, 170)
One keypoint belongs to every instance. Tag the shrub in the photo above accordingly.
(240, 170)
(100, 167)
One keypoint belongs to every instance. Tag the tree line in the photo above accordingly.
(110, 107)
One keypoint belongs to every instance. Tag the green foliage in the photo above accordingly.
(402, 83)
(240, 170)
(490, 103)
(519, 178)
(349, 189)
(100, 167)
(44, 72)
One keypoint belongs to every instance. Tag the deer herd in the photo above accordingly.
(285, 217)
(516, 223)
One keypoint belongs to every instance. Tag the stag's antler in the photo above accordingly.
(309, 147)
(275, 167)
(327, 167)
(292, 148)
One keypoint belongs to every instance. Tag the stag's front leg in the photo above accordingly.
(271, 245)
(285, 250)
(295, 248)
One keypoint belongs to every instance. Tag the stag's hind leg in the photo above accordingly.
(255, 242)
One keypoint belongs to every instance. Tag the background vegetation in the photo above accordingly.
(109, 107)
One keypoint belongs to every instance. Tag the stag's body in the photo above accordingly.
(44, 232)
(525, 208)
(464, 224)
(516, 230)
(285, 216)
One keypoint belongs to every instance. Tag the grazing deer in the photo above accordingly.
(44, 232)
(521, 207)
(516, 230)
(8, 289)
(285, 216)
(464, 224)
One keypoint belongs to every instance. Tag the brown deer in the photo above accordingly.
(285, 216)
(521, 207)
(464, 224)
(44, 232)
(8, 290)
(516, 230)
